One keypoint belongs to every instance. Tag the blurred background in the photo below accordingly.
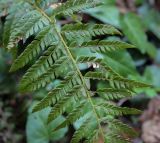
(139, 20)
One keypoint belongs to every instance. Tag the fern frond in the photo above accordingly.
(45, 61)
(41, 42)
(119, 82)
(85, 30)
(72, 6)
(27, 25)
(117, 111)
(45, 78)
(103, 46)
(112, 94)
(13, 16)
(93, 137)
(55, 94)
(121, 128)
(76, 114)
(116, 82)
(83, 131)
(60, 107)
(10, 21)
(54, 51)
(115, 138)
(47, 101)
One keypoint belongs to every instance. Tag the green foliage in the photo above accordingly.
(52, 49)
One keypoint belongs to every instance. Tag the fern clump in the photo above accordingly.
(53, 48)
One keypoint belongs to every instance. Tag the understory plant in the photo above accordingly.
(51, 53)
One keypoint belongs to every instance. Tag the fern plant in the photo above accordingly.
(53, 49)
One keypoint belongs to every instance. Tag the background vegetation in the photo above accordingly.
(139, 20)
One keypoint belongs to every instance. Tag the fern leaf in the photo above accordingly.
(40, 67)
(82, 132)
(114, 138)
(46, 77)
(93, 137)
(60, 106)
(85, 30)
(103, 46)
(27, 25)
(42, 41)
(10, 20)
(112, 94)
(119, 82)
(77, 113)
(117, 111)
(72, 6)
(115, 81)
(47, 101)
(55, 58)
(121, 128)
(55, 94)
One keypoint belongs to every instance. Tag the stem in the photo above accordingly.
(74, 63)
